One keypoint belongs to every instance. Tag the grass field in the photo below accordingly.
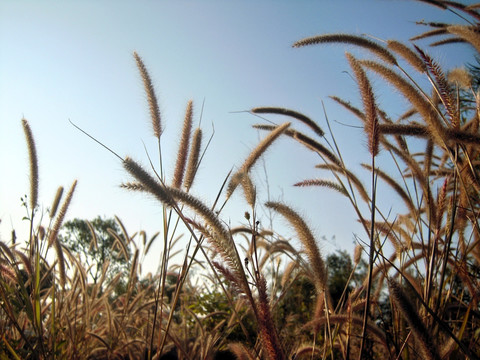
(246, 292)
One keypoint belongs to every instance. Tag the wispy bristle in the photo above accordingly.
(417, 327)
(208, 215)
(408, 54)
(294, 114)
(292, 265)
(151, 97)
(268, 332)
(308, 241)
(304, 140)
(56, 201)
(262, 146)
(32, 152)
(229, 275)
(255, 155)
(406, 130)
(460, 77)
(324, 183)
(411, 94)
(350, 175)
(430, 33)
(450, 40)
(347, 105)
(395, 186)
(357, 254)
(61, 262)
(370, 108)
(148, 182)
(134, 186)
(378, 50)
(249, 189)
(442, 87)
(61, 215)
(467, 33)
(133, 268)
(183, 147)
(465, 137)
(193, 158)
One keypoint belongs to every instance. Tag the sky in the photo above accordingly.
(72, 60)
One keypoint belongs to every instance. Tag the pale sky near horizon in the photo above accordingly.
(62, 60)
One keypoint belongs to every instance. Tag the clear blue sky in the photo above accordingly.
(63, 60)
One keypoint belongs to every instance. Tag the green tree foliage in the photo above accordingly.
(96, 243)
(340, 269)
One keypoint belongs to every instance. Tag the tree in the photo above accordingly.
(97, 242)
(340, 268)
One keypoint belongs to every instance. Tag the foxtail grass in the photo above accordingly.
(183, 147)
(466, 33)
(32, 152)
(408, 54)
(61, 215)
(291, 113)
(426, 343)
(306, 141)
(193, 158)
(370, 108)
(151, 97)
(254, 156)
(308, 241)
(362, 42)
(413, 96)
(56, 202)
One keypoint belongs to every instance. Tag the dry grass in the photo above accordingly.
(419, 298)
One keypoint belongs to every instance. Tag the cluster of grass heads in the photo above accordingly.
(418, 302)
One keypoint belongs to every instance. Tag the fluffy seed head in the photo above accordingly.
(294, 114)
(148, 182)
(460, 77)
(56, 201)
(370, 108)
(32, 152)
(308, 241)
(378, 50)
(255, 155)
(183, 148)
(193, 158)
(408, 54)
(61, 215)
(151, 97)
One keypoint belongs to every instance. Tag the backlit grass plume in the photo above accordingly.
(151, 97)
(32, 152)
(291, 113)
(468, 33)
(370, 108)
(360, 41)
(255, 155)
(308, 241)
(147, 181)
(61, 215)
(56, 201)
(408, 54)
(193, 158)
(305, 140)
(183, 147)
(419, 331)
(418, 100)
